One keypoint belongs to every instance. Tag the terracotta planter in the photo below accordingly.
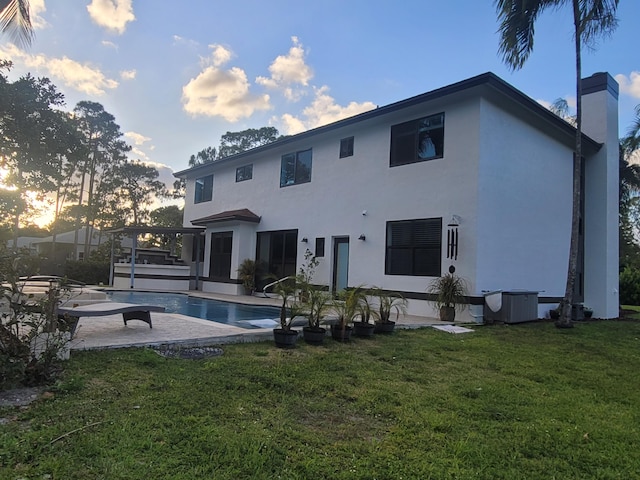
(341, 334)
(363, 329)
(285, 338)
(384, 327)
(313, 336)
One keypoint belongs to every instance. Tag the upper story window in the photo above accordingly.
(346, 147)
(244, 173)
(204, 189)
(417, 140)
(295, 168)
(414, 247)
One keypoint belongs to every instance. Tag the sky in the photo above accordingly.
(178, 75)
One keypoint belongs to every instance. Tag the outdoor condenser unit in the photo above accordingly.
(513, 306)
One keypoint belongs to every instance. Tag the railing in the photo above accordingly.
(273, 284)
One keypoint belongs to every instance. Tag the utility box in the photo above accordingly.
(513, 306)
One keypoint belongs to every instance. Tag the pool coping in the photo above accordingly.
(175, 329)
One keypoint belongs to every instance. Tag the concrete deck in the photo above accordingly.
(109, 331)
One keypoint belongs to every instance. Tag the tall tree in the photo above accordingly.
(33, 136)
(103, 150)
(591, 19)
(203, 156)
(15, 21)
(137, 188)
(232, 143)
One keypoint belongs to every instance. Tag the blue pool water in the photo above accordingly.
(244, 316)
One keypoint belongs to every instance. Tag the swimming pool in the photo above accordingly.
(243, 316)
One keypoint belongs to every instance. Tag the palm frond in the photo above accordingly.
(517, 28)
(16, 21)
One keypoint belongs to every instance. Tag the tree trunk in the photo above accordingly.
(567, 302)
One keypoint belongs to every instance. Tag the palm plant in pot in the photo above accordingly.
(365, 326)
(346, 306)
(315, 308)
(247, 274)
(449, 293)
(285, 336)
(388, 303)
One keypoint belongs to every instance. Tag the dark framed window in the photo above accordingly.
(417, 140)
(320, 247)
(414, 247)
(295, 168)
(244, 173)
(204, 189)
(220, 260)
(346, 147)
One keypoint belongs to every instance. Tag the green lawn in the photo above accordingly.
(506, 402)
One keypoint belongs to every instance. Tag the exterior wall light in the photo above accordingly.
(362, 237)
(304, 240)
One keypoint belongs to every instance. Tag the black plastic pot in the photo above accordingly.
(285, 338)
(385, 327)
(341, 334)
(363, 329)
(314, 336)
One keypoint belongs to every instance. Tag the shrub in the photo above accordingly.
(630, 286)
(88, 271)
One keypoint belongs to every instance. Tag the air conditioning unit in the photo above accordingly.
(513, 306)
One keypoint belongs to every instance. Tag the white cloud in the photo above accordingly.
(128, 74)
(107, 43)
(36, 9)
(137, 138)
(322, 111)
(81, 77)
(111, 14)
(287, 71)
(139, 154)
(219, 56)
(223, 93)
(629, 85)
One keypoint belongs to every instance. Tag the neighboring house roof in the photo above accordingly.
(69, 237)
(242, 215)
(156, 230)
(487, 84)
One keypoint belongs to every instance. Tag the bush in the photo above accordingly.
(630, 286)
(89, 271)
(30, 343)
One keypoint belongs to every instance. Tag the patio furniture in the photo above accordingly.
(129, 311)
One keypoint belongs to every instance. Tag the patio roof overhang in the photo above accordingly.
(242, 215)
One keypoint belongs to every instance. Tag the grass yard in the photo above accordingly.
(526, 401)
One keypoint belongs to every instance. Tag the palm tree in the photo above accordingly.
(591, 19)
(15, 20)
(629, 190)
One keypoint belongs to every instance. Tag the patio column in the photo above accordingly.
(133, 259)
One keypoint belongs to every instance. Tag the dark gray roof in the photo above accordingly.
(487, 83)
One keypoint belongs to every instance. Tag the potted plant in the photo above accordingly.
(449, 294)
(346, 306)
(387, 304)
(315, 308)
(247, 274)
(285, 336)
(365, 327)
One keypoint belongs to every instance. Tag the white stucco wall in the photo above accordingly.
(524, 210)
(508, 182)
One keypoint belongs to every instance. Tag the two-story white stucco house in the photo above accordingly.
(474, 175)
